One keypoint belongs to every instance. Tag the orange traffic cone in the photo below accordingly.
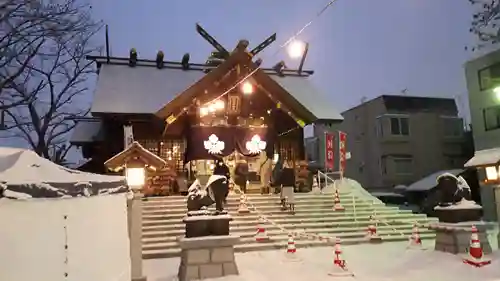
(415, 240)
(336, 202)
(291, 249)
(339, 265)
(243, 208)
(261, 235)
(371, 232)
(475, 255)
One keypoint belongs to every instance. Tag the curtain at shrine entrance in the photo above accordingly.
(210, 142)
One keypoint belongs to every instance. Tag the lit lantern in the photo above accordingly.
(132, 60)
(219, 104)
(491, 173)
(159, 60)
(203, 111)
(135, 174)
(247, 88)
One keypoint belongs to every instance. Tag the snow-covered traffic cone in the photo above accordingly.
(243, 208)
(475, 256)
(415, 240)
(371, 232)
(336, 202)
(339, 265)
(261, 235)
(291, 250)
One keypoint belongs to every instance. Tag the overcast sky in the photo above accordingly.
(359, 48)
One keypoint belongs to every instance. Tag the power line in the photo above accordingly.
(291, 39)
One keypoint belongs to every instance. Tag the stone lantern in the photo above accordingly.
(135, 160)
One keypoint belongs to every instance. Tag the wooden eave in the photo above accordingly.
(134, 151)
(243, 58)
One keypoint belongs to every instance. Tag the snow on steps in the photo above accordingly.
(162, 222)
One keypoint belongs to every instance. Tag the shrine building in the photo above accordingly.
(190, 114)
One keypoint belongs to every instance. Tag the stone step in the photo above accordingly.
(159, 231)
(298, 204)
(359, 218)
(235, 203)
(165, 215)
(338, 226)
(276, 208)
(278, 242)
(249, 237)
(257, 197)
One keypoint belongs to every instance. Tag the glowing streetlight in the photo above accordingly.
(247, 88)
(296, 49)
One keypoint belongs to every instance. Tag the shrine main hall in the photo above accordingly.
(191, 114)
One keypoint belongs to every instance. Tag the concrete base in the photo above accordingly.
(207, 257)
(454, 238)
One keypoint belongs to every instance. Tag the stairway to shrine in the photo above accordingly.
(162, 222)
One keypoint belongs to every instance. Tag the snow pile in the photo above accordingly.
(393, 262)
(26, 175)
(462, 204)
(430, 181)
(86, 238)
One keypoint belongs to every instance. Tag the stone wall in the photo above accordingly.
(207, 257)
(455, 238)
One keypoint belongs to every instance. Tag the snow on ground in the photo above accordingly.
(389, 262)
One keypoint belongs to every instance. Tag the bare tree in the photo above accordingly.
(24, 28)
(485, 22)
(53, 82)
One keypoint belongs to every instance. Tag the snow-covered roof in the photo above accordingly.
(87, 130)
(24, 174)
(303, 90)
(117, 162)
(141, 89)
(484, 157)
(430, 181)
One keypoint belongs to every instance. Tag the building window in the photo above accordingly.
(491, 116)
(403, 165)
(453, 127)
(400, 126)
(171, 151)
(489, 77)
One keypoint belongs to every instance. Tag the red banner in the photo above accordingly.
(329, 151)
(342, 151)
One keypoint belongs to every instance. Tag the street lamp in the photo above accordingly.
(296, 49)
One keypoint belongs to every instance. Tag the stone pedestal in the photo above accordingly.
(134, 207)
(454, 238)
(206, 225)
(207, 257)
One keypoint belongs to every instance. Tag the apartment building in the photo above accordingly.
(483, 82)
(396, 140)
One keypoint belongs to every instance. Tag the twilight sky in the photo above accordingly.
(359, 48)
